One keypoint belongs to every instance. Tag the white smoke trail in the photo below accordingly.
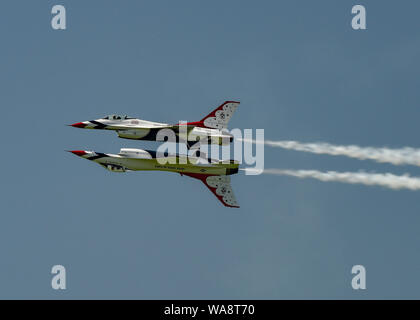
(387, 180)
(400, 156)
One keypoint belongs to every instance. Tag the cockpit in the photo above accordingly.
(117, 117)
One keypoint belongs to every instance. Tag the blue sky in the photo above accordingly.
(300, 72)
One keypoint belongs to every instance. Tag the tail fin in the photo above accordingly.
(219, 185)
(219, 117)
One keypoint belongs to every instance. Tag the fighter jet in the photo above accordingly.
(212, 172)
(212, 129)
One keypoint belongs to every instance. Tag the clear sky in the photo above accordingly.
(301, 73)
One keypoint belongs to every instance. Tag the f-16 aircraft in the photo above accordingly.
(212, 129)
(212, 172)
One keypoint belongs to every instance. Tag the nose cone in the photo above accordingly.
(78, 152)
(78, 125)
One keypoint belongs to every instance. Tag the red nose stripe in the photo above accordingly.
(78, 125)
(78, 152)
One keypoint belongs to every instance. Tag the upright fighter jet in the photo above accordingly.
(212, 129)
(212, 172)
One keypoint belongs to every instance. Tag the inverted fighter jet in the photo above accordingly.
(212, 129)
(212, 172)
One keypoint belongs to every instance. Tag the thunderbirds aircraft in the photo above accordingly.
(211, 129)
(212, 172)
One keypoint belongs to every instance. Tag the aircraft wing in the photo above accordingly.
(219, 185)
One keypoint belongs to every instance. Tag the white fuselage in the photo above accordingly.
(138, 159)
(147, 130)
